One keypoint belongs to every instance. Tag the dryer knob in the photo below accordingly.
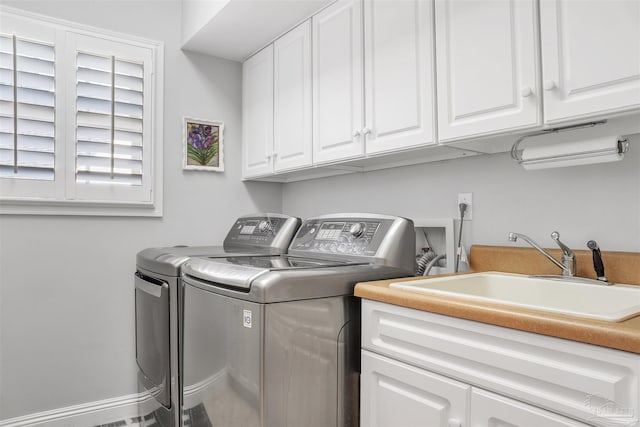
(357, 229)
(264, 226)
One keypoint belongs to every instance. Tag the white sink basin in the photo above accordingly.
(609, 303)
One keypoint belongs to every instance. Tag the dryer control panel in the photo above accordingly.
(262, 230)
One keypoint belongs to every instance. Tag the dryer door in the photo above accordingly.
(152, 336)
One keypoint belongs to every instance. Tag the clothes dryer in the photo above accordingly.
(158, 301)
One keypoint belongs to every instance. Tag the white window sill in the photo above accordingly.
(78, 208)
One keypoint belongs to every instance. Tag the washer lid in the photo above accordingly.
(240, 271)
(168, 261)
(210, 270)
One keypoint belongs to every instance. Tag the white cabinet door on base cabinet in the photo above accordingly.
(398, 395)
(489, 409)
(337, 82)
(487, 67)
(399, 74)
(292, 99)
(590, 57)
(257, 114)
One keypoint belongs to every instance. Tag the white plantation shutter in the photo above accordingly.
(109, 120)
(112, 120)
(27, 109)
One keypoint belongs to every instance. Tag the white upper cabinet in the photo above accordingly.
(337, 82)
(257, 114)
(292, 99)
(487, 62)
(366, 78)
(398, 43)
(590, 57)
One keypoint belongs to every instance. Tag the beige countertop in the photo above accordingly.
(623, 335)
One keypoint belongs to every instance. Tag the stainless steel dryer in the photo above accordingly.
(158, 300)
(274, 341)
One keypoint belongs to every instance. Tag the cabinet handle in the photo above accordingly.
(526, 92)
(366, 131)
(549, 85)
(356, 133)
(454, 422)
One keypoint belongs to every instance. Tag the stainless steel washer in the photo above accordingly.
(273, 341)
(158, 303)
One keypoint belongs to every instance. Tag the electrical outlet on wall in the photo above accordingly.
(468, 199)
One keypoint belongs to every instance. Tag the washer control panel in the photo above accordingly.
(342, 236)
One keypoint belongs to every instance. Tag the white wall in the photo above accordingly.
(66, 283)
(600, 202)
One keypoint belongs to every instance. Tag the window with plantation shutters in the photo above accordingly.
(80, 119)
(109, 120)
(27, 109)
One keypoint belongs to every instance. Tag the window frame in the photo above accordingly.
(65, 196)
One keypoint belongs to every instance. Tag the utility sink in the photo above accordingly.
(591, 301)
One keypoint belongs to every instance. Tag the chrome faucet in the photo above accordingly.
(568, 264)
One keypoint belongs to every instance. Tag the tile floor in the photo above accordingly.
(193, 417)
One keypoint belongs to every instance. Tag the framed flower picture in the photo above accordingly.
(202, 145)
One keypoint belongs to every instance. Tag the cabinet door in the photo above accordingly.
(398, 395)
(487, 67)
(337, 82)
(398, 74)
(257, 114)
(590, 57)
(488, 409)
(292, 99)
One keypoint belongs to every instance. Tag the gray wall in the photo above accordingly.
(600, 202)
(66, 284)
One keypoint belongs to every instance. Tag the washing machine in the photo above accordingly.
(158, 302)
(274, 341)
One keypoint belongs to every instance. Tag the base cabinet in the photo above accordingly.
(490, 409)
(395, 394)
(426, 369)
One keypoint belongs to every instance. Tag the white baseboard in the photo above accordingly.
(84, 415)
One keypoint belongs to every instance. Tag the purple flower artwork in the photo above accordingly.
(203, 145)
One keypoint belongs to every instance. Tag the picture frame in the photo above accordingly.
(202, 145)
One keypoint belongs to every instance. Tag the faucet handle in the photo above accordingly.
(565, 249)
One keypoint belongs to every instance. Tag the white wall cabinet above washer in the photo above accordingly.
(257, 114)
(277, 105)
(292, 99)
(398, 42)
(590, 57)
(487, 67)
(398, 78)
(337, 82)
